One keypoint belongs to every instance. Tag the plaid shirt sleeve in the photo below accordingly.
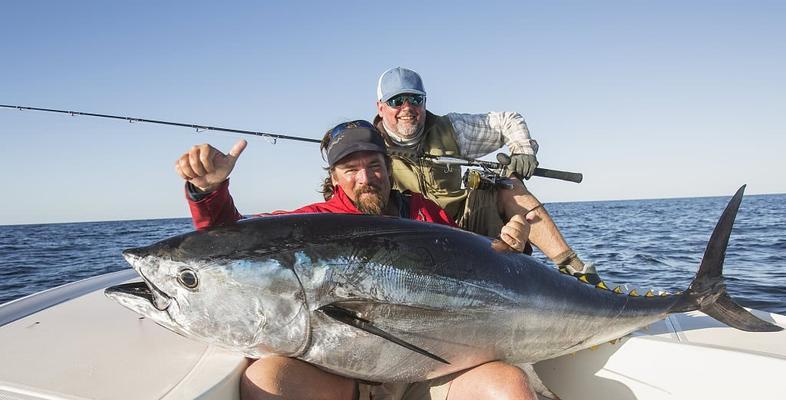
(480, 134)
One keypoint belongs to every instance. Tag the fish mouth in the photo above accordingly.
(144, 290)
(136, 289)
(141, 299)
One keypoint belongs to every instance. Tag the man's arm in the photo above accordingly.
(480, 134)
(211, 209)
(206, 171)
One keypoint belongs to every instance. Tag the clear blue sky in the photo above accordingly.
(648, 100)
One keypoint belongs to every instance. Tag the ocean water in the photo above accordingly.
(641, 243)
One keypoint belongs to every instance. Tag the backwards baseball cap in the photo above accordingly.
(351, 137)
(396, 81)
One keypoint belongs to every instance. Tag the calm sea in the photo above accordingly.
(642, 243)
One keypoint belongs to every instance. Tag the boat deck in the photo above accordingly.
(89, 348)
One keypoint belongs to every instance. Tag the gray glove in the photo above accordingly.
(523, 165)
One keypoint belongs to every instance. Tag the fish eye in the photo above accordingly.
(188, 279)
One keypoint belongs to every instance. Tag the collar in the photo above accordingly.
(342, 200)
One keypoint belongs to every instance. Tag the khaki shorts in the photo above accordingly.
(435, 389)
(481, 213)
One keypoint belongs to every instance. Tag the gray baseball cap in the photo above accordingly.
(396, 81)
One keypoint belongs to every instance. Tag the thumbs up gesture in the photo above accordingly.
(206, 167)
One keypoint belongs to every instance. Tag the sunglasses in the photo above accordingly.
(414, 99)
(340, 128)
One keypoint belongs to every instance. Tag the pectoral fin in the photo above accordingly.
(350, 318)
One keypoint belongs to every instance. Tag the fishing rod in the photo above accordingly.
(198, 128)
(503, 159)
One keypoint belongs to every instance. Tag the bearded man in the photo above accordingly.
(409, 128)
(359, 182)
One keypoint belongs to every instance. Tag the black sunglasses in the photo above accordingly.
(340, 128)
(414, 99)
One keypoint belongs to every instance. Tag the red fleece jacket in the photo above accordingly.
(218, 208)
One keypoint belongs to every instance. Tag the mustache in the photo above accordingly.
(370, 188)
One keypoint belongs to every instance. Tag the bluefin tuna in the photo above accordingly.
(386, 299)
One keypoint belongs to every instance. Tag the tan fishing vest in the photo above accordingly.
(437, 182)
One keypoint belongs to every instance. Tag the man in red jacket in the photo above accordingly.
(360, 183)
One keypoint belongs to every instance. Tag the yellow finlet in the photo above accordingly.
(633, 293)
(649, 293)
(618, 289)
(602, 285)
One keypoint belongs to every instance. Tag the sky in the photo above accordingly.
(646, 99)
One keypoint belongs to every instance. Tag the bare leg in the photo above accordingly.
(288, 378)
(494, 380)
(543, 232)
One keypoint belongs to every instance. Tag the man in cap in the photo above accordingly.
(411, 132)
(359, 173)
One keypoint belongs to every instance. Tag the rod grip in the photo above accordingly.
(561, 175)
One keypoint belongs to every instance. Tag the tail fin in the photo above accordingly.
(707, 292)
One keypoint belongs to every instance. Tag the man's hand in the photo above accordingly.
(523, 165)
(205, 167)
(515, 233)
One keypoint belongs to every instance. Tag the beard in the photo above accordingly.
(369, 200)
(406, 131)
(404, 134)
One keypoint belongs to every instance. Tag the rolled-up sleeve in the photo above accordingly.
(481, 134)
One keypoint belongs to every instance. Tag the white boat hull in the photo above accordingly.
(686, 356)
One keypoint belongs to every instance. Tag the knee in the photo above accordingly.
(494, 380)
(282, 377)
(518, 189)
(511, 383)
(508, 195)
(261, 379)
(516, 200)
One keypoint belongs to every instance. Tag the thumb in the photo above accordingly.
(238, 148)
(532, 216)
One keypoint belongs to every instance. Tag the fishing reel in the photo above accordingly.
(489, 178)
(484, 180)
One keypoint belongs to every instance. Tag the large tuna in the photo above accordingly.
(387, 299)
